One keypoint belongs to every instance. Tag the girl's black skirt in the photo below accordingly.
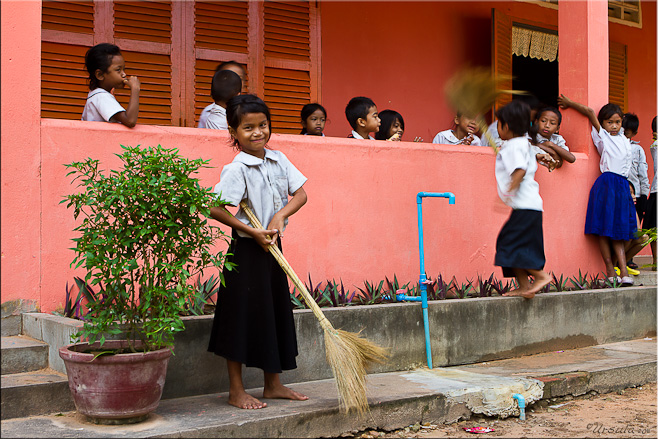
(253, 322)
(649, 220)
(520, 243)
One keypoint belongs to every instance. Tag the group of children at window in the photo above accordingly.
(106, 68)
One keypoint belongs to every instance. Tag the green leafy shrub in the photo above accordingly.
(143, 234)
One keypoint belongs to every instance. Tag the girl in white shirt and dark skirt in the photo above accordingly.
(520, 243)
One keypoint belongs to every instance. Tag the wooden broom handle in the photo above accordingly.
(276, 252)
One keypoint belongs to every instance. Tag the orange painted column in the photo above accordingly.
(21, 155)
(583, 77)
(583, 66)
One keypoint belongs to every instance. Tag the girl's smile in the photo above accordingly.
(252, 134)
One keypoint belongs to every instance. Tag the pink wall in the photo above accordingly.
(21, 94)
(360, 220)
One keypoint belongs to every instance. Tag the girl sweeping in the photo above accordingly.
(253, 322)
(610, 209)
(520, 243)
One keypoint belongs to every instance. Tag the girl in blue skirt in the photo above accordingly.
(610, 209)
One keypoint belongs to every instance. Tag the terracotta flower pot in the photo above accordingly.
(121, 388)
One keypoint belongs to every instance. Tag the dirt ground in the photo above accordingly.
(630, 413)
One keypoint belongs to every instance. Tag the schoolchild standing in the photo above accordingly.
(253, 322)
(233, 66)
(225, 85)
(610, 211)
(520, 243)
(649, 220)
(361, 113)
(106, 68)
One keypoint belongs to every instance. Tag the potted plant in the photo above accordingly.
(143, 235)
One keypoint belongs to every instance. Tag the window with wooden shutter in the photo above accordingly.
(221, 33)
(618, 84)
(174, 48)
(68, 29)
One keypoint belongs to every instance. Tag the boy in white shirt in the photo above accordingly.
(361, 113)
(233, 66)
(225, 85)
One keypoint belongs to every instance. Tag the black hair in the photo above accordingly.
(239, 105)
(388, 118)
(609, 110)
(534, 128)
(516, 115)
(225, 84)
(358, 107)
(531, 100)
(226, 64)
(653, 124)
(99, 57)
(309, 109)
(630, 122)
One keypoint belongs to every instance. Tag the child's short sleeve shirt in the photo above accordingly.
(616, 152)
(216, 119)
(514, 154)
(265, 184)
(447, 137)
(204, 116)
(101, 105)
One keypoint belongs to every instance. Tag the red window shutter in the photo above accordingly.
(143, 21)
(63, 80)
(68, 16)
(501, 57)
(617, 89)
(286, 92)
(222, 25)
(287, 30)
(154, 73)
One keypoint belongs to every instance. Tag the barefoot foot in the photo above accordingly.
(283, 392)
(541, 280)
(515, 293)
(243, 400)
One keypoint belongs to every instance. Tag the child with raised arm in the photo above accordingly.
(253, 324)
(225, 85)
(106, 68)
(610, 211)
(520, 243)
(361, 113)
(543, 134)
(462, 133)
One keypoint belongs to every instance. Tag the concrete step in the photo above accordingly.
(23, 354)
(35, 393)
(397, 399)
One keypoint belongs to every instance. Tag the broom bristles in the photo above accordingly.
(347, 353)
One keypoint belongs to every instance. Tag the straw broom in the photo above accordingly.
(347, 353)
(473, 91)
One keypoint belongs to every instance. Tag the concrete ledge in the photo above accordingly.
(462, 332)
(23, 354)
(35, 393)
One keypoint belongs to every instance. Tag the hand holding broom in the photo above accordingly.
(347, 353)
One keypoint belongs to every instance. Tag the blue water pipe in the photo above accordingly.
(521, 400)
(423, 276)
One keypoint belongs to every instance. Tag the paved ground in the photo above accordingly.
(629, 413)
(443, 395)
